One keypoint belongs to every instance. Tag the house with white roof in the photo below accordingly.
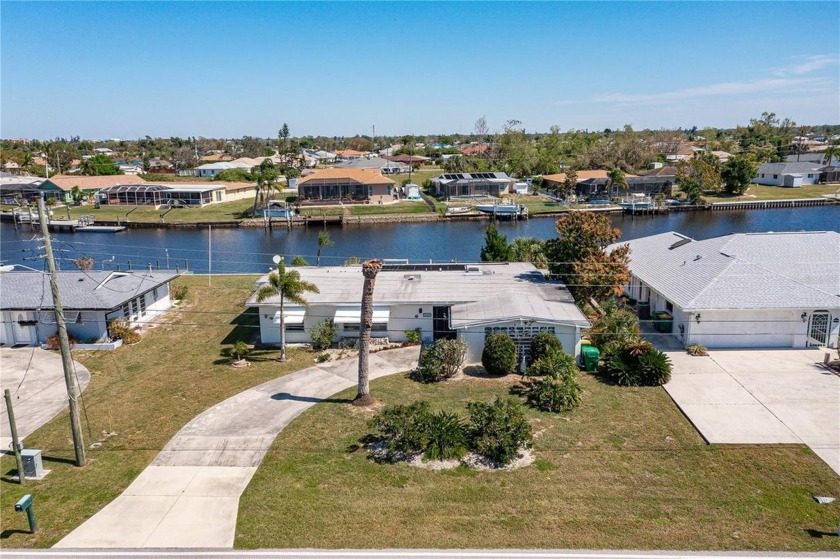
(91, 300)
(788, 174)
(467, 301)
(742, 290)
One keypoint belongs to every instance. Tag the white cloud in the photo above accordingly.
(807, 64)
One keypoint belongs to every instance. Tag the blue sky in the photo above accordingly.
(103, 70)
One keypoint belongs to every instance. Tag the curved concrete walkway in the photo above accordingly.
(189, 496)
(35, 378)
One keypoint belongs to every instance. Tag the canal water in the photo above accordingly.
(251, 250)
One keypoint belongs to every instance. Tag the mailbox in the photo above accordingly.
(25, 505)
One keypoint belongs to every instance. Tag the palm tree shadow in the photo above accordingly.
(311, 399)
(243, 327)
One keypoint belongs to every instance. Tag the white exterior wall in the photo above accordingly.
(799, 178)
(239, 194)
(475, 335)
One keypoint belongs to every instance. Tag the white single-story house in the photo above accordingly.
(468, 301)
(788, 174)
(210, 170)
(742, 290)
(90, 301)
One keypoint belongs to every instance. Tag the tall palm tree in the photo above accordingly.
(287, 285)
(266, 175)
(323, 242)
(369, 268)
(831, 152)
(615, 178)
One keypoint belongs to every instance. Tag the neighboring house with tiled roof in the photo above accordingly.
(741, 290)
(558, 179)
(91, 300)
(475, 149)
(788, 174)
(346, 185)
(350, 153)
(666, 171)
(59, 186)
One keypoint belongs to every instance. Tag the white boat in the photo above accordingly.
(636, 202)
(277, 209)
(502, 209)
(453, 210)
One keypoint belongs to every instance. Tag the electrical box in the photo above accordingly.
(33, 467)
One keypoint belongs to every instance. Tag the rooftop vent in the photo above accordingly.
(411, 277)
(473, 271)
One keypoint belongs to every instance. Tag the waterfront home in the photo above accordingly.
(163, 194)
(15, 189)
(741, 290)
(788, 174)
(467, 301)
(348, 186)
(385, 166)
(91, 300)
(473, 184)
(650, 185)
(60, 186)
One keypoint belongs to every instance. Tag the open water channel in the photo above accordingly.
(251, 250)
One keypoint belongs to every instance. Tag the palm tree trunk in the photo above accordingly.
(318, 257)
(370, 268)
(282, 331)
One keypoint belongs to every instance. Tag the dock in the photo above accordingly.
(770, 204)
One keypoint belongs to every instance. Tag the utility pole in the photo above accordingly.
(64, 344)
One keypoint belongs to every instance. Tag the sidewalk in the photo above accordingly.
(189, 495)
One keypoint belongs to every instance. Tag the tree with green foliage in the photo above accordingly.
(615, 179)
(322, 334)
(299, 261)
(288, 285)
(496, 247)
(235, 175)
(266, 176)
(737, 173)
(578, 256)
(529, 249)
(324, 241)
(99, 165)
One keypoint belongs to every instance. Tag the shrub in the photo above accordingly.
(412, 337)
(556, 362)
(498, 430)
(240, 349)
(179, 292)
(499, 355)
(299, 261)
(557, 392)
(542, 343)
(446, 437)
(637, 364)
(403, 427)
(323, 358)
(697, 350)
(440, 361)
(616, 326)
(323, 334)
(54, 343)
(120, 330)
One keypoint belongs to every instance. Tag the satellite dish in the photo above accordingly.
(277, 258)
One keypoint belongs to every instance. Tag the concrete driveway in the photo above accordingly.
(36, 379)
(760, 396)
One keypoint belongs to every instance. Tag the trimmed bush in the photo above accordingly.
(322, 334)
(555, 393)
(440, 361)
(555, 362)
(499, 355)
(446, 437)
(697, 350)
(403, 427)
(542, 343)
(299, 261)
(498, 430)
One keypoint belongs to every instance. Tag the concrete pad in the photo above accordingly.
(685, 364)
(814, 423)
(35, 378)
(208, 522)
(738, 424)
(128, 521)
(719, 389)
(829, 454)
(806, 386)
(761, 361)
(157, 481)
(220, 482)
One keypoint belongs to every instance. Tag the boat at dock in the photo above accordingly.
(636, 202)
(278, 209)
(510, 210)
(458, 210)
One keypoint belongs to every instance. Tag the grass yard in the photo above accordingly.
(625, 470)
(537, 204)
(403, 207)
(223, 211)
(144, 393)
(762, 192)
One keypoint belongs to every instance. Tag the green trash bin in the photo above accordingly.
(663, 322)
(590, 354)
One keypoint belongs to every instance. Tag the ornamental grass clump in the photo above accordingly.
(446, 437)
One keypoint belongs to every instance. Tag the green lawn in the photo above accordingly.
(761, 192)
(626, 470)
(537, 204)
(403, 207)
(223, 211)
(144, 393)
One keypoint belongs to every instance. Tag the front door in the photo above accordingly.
(440, 324)
(818, 329)
(22, 328)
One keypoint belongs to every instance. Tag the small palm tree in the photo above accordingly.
(287, 285)
(615, 178)
(323, 242)
(369, 268)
